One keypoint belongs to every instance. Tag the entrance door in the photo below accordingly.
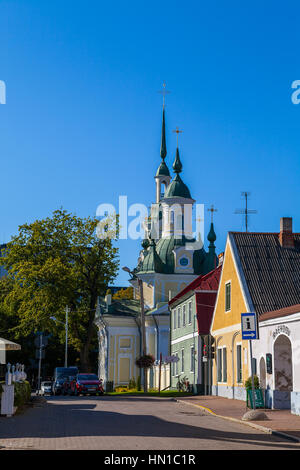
(283, 367)
(262, 373)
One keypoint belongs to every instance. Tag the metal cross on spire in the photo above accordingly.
(177, 131)
(212, 210)
(245, 211)
(164, 92)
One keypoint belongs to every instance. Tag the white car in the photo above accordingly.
(46, 388)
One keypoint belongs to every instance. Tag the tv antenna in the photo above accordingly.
(245, 211)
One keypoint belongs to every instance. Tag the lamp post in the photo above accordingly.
(66, 328)
(140, 283)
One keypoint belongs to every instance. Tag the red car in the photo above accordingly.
(85, 384)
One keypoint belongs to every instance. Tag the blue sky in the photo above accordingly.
(82, 119)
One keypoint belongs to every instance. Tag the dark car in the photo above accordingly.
(67, 384)
(58, 384)
(86, 384)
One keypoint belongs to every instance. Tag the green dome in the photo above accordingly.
(177, 188)
(162, 170)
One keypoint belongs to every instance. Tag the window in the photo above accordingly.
(183, 315)
(239, 376)
(219, 365)
(176, 365)
(227, 296)
(178, 317)
(222, 365)
(174, 319)
(224, 375)
(192, 358)
(190, 313)
(182, 360)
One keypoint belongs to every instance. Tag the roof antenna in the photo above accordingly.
(245, 211)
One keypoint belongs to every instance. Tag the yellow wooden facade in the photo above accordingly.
(231, 365)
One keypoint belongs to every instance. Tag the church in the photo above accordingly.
(170, 258)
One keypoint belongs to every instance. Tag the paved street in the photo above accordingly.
(117, 423)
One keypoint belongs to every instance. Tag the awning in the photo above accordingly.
(6, 345)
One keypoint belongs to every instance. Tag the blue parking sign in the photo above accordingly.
(249, 326)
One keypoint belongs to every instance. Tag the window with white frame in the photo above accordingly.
(178, 317)
(183, 315)
(174, 319)
(192, 358)
(190, 313)
(224, 372)
(219, 358)
(222, 364)
(227, 296)
(239, 375)
(182, 360)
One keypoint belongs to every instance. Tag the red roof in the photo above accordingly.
(209, 281)
(283, 312)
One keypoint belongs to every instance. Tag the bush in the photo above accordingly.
(145, 362)
(138, 384)
(248, 383)
(132, 384)
(22, 393)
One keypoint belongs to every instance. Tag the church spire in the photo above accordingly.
(163, 147)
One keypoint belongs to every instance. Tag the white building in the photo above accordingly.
(277, 354)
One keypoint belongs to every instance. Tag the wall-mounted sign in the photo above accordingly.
(281, 329)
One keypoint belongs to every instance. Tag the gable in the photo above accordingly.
(221, 318)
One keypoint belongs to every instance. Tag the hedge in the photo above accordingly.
(22, 393)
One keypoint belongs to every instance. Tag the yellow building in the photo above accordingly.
(231, 364)
(259, 275)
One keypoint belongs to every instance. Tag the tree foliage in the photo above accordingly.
(57, 262)
(124, 294)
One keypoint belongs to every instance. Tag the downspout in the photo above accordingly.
(140, 335)
(157, 340)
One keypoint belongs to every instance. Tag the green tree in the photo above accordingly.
(57, 262)
(124, 294)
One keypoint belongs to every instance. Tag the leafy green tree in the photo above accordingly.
(124, 294)
(57, 262)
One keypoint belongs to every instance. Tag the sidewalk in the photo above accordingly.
(279, 421)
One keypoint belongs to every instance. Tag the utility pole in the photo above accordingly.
(66, 346)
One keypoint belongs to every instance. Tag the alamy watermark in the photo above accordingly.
(183, 221)
(296, 94)
(2, 92)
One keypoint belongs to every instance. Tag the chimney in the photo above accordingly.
(286, 237)
(221, 258)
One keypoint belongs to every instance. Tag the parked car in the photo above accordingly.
(85, 384)
(46, 388)
(58, 384)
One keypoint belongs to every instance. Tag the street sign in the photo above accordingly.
(38, 343)
(259, 399)
(249, 326)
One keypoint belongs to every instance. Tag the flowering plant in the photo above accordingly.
(145, 362)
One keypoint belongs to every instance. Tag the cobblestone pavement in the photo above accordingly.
(118, 423)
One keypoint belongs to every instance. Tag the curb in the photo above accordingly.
(247, 423)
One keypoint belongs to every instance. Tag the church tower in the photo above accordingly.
(171, 256)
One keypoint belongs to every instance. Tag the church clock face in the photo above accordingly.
(183, 262)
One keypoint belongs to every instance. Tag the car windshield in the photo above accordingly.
(87, 377)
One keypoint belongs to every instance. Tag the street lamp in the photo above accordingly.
(140, 283)
(66, 327)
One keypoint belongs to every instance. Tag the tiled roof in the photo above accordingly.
(272, 273)
(283, 312)
(208, 282)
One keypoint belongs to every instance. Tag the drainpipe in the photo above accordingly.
(140, 334)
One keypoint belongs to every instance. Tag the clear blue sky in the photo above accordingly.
(82, 120)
